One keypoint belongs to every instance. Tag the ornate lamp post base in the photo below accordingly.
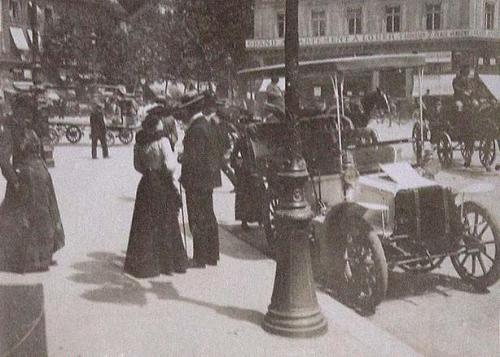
(294, 309)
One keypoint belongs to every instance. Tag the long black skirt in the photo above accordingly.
(31, 230)
(155, 243)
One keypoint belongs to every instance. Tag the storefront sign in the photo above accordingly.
(375, 38)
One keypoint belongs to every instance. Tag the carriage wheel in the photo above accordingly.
(478, 258)
(360, 272)
(126, 136)
(53, 136)
(487, 152)
(73, 134)
(110, 138)
(466, 151)
(445, 150)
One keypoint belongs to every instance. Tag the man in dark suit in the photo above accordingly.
(199, 176)
(98, 130)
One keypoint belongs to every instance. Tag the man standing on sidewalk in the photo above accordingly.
(98, 130)
(199, 176)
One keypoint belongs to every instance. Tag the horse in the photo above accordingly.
(370, 104)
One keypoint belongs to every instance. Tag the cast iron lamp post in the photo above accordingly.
(294, 309)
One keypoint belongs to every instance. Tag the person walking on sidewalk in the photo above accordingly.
(98, 130)
(155, 243)
(200, 174)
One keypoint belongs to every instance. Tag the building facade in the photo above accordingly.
(16, 35)
(448, 32)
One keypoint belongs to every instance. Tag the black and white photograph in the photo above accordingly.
(211, 178)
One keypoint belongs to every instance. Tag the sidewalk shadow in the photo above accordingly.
(166, 291)
(253, 237)
(105, 271)
(403, 285)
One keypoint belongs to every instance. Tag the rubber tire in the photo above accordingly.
(375, 245)
(493, 275)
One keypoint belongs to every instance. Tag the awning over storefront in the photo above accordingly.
(492, 82)
(19, 38)
(437, 84)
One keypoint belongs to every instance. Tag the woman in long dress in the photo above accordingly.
(155, 243)
(30, 224)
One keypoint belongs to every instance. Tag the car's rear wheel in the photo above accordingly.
(478, 258)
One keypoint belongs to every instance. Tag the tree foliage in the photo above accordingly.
(193, 39)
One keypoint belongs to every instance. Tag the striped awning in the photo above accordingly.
(19, 38)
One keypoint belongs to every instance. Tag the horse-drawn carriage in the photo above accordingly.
(375, 214)
(473, 127)
(75, 132)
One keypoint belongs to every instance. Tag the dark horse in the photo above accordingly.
(361, 112)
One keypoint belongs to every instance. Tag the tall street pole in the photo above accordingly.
(294, 309)
(40, 120)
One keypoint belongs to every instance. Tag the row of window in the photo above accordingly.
(393, 21)
(15, 10)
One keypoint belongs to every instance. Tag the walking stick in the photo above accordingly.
(183, 219)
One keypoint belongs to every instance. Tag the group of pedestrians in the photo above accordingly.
(155, 243)
(31, 230)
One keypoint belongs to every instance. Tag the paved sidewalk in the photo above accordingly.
(93, 309)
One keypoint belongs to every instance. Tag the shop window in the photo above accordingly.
(393, 18)
(489, 15)
(433, 16)
(281, 24)
(318, 22)
(14, 9)
(354, 21)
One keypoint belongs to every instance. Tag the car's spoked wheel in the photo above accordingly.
(445, 150)
(110, 138)
(487, 152)
(73, 134)
(126, 136)
(478, 258)
(360, 268)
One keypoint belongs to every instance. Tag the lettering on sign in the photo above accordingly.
(374, 38)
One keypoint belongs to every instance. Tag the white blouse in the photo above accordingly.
(151, 156)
